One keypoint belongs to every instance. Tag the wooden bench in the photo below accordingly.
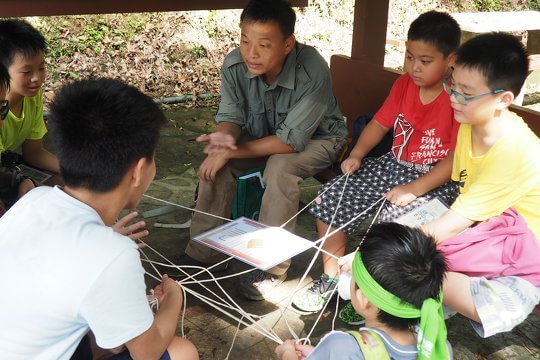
(361, 87)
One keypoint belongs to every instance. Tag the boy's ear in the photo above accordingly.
(138, 172)
(362, 301)
(451, 59)
(505, 100)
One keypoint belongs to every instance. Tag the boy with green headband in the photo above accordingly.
(396, 286)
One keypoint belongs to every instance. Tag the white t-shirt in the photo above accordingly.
(63, 272)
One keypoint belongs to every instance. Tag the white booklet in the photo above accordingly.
(254, 243)
(431, 210)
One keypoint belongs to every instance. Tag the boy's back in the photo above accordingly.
(61, 265)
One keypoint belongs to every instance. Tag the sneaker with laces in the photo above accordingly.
(349, 316)
(256, 284)
(314, 298)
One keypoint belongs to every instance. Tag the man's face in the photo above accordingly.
(27, 74)
(264, 49)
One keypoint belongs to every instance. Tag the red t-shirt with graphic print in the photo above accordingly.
(423, 134)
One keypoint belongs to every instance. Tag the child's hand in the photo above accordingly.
(25, 186)
(167, 287)
(304, 350)
(287, 350)
(134, 231)
(350, 165)
(400, 195)
(345, 262)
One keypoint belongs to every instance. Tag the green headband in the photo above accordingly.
(432, 329)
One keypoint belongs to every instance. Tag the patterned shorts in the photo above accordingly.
(502, 303)
(375, 177)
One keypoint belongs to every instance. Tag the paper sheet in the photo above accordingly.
(423, 214)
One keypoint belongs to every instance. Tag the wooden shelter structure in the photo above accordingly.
(360, 80)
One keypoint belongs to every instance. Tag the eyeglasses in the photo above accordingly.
(448, 85)
(4, 109)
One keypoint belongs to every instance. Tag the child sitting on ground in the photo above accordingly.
(23, 51)
(12, 185)
(396, 286)
(491, 234)
(67, 270)
(419, 165)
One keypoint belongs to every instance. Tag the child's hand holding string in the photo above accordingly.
(401, 195)
(350, 165)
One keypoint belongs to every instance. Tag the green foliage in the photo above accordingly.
(534, 4)
(199, 52)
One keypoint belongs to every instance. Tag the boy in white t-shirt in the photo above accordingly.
(67, 271)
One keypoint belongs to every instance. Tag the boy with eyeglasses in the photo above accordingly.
(11, 185)
(491, 233)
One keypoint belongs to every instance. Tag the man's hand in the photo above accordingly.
(211, 165)
(218, 142)
(401, 195)
(350, 165)
(134, 231)
(167, 286)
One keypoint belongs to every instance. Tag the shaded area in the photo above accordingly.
(178, 157)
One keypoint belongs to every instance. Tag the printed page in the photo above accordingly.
(423, 214)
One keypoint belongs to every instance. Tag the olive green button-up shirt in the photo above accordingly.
(297, 107)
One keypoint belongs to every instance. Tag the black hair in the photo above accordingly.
(100, 128)
(500, 57)
(277, 11)
(406, 263)
(436, 28)
(19, 37)
(4, 78)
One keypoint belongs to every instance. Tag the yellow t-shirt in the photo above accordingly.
(15, 130)
(507, 175)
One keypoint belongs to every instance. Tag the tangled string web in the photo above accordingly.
(222, 301)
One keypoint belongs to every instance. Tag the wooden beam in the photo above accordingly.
(369, 33)
(18, 8)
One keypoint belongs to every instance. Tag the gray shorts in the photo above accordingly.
(502, 303)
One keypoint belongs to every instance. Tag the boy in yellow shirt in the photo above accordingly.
(23, 50)
(496, 164)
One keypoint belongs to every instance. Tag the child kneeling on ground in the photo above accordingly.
(396, 286)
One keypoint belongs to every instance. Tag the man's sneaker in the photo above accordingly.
(314, 298)
(349, 316)
(256, 284)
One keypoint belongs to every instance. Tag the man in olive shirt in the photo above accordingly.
(277, 110)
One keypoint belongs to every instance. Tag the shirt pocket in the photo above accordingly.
(257, 122)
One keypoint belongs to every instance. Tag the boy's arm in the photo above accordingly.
(371, 136)
(153, 342)
(34, 153)
(440, 174)
(448, 225)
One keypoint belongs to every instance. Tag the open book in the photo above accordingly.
(429, 211)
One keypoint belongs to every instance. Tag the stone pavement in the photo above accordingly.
(178, 157)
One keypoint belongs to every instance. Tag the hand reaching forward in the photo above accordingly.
(134, 231)
(350, 165)
(401, 195)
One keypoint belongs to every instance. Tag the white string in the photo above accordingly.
(233, 340)
(185, 207)
(318, 195)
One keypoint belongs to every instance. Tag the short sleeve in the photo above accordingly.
(232, 102)
(327, 348)
(38, 129)
(504, 177)
(386, 116)
(116, 307)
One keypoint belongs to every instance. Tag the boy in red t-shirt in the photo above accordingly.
(419, 164)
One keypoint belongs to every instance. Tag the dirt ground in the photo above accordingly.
(178, 157)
